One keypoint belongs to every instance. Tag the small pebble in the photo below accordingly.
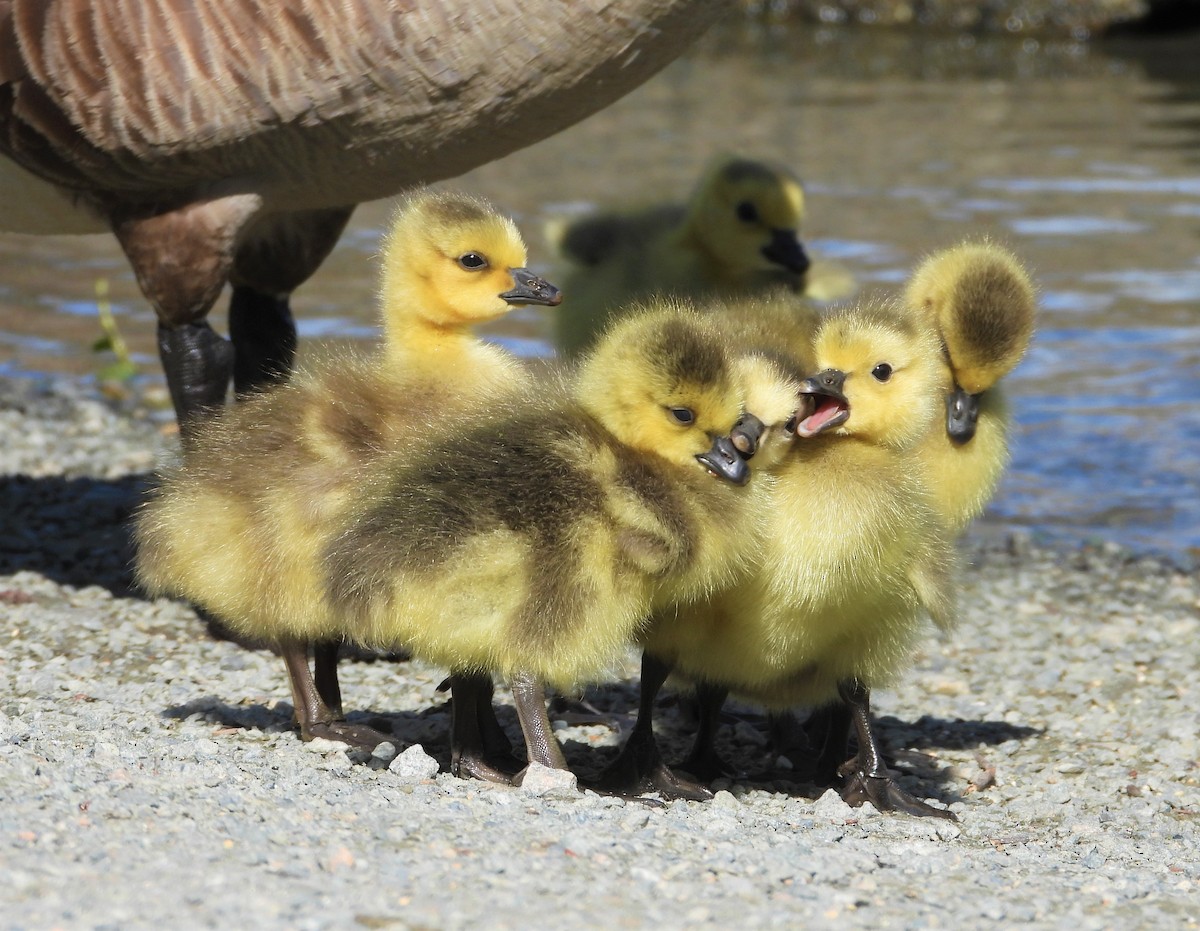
(546, 782)
(413, 765)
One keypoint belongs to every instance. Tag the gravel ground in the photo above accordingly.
(149, 777)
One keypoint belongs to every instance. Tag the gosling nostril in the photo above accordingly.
(743, 444)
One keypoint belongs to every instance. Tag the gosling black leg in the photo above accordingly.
(639, 767)
(867, 778)
(313, 716)
(469, 732)
(541, 746)
(325, 675)
(496, 744)
(263, 333)
(198, 364)
(703, 761)
(828, 733)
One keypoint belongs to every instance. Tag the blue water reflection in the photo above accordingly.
(1118, 455)
(1086, 164)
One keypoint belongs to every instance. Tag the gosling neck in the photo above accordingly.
(415, 340)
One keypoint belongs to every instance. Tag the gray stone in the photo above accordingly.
(414, 765)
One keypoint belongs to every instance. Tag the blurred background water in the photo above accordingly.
(1082, 157)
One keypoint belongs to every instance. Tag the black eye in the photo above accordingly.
(882, 371)
(472, 261)
(746, 212)
(683, 415)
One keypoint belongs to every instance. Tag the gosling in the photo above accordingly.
(854, 556)
(238, 528)
(528, 542)
(737, 235)
(982, 302)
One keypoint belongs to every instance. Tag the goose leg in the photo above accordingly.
(541, 745)
(313, 716)
(471, 738)
(198, 364)
(182, 258)
(496, 744)
(867, 777)
(281, 254)
(263, 333)
(703, 762)
(639, 767)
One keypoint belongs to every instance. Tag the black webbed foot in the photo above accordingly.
(867, 779)
(639, 769)
(885, 795)
(356, 735)
(470, 766)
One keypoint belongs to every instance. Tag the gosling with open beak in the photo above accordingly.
(830, 405)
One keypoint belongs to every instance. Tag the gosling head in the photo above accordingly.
(661, 381)
(982, 303)
(454, 261)
(747, 215)
(773, 404)
(877, 378)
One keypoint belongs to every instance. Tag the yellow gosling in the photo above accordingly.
(528, 541)
(854, 555)
(737, 235)
(239, 526)
(982, 302)
(533, 547)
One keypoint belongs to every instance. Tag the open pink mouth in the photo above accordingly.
(828, 413)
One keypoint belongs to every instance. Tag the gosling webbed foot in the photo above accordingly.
(707, 765)
(867, 779)
(316, 717)
(639, 769)
(470, 766)
(885, 795)
(672, 785)
(356, 735)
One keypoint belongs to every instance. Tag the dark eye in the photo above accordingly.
(472, 261)
(683, 415)
(882, 371)
(746, 212)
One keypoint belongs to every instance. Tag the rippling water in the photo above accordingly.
(1084, 159)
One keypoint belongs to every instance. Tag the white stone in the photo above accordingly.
(414, 765)
(545, 782)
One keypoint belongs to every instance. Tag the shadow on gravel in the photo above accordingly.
(429, 727)
(743, 741)
(941, 734)
(74, 531)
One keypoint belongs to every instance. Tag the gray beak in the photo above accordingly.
(725, 462)
(962, 415)
(530, 289)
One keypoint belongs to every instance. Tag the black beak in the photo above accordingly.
(724, 461)
(785, 249)
(962, 415)
(530, 289)
(830, 408)
(747, 434)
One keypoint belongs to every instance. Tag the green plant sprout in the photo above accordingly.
(122, 368)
